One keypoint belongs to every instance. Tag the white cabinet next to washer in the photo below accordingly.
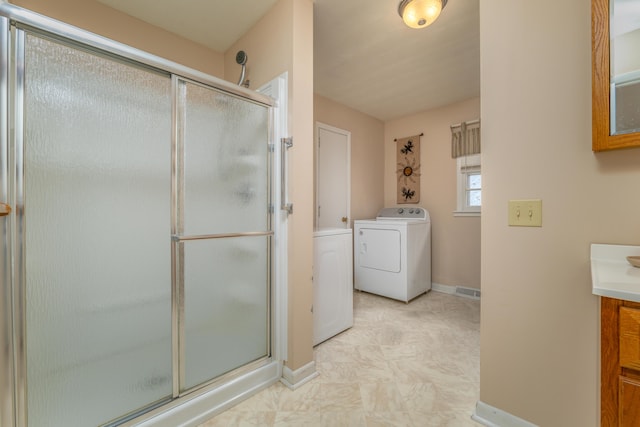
(332, 283)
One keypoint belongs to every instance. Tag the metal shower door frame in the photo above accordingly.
(7, 368)
(14, 21)
(178, 237)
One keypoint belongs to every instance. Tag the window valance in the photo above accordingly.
(465, 138)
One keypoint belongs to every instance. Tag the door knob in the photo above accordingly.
(344, 219)
(5, 209)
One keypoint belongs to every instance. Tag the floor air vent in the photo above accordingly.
(467, 292)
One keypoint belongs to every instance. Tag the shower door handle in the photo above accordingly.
(5, 209)
(284, 179)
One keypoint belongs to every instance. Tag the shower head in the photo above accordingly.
(241, 57)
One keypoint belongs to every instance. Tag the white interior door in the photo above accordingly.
(333, 188)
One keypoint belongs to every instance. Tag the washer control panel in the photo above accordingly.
(403, 213)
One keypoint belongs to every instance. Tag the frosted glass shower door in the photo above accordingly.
(224, 232)
(97, 223)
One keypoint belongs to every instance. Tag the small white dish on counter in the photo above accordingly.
(611, 273)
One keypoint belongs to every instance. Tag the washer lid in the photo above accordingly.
(404, 213)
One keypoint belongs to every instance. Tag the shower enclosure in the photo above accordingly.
(136, 263)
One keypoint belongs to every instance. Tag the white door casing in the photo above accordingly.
(278, 89)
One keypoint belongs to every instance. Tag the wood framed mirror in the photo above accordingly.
(615, 90)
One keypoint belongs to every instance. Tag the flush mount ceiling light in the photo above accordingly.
(420, 13)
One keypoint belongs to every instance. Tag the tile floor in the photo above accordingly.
(413, 364)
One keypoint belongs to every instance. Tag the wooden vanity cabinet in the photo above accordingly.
(629, 395)
(620, 363)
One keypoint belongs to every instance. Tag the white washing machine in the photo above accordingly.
(392, 253)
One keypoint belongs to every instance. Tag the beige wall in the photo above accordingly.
(269, 46)
(301, 189)
(281, 41)
(105, 21)
(455, 240)
(539, 334)
(367, 154)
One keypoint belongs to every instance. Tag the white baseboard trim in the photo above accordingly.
(460, 291)
(299, 377)
(445, 289)
(192, 411)
(489, 416)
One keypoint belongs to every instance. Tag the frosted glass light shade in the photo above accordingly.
(420, 13)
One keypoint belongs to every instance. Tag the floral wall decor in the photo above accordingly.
(408, 160)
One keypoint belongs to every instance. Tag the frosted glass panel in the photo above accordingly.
(97, 219)
(226, 300)
(225, 162)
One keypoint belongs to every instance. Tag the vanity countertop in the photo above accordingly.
(611, 274)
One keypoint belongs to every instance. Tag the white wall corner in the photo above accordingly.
(489, 416)
(299, 377)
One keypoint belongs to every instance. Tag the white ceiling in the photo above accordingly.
(364, 56)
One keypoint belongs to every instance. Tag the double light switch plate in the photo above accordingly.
(525, 213)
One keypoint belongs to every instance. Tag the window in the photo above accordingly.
(469, 186)
(465, 148)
